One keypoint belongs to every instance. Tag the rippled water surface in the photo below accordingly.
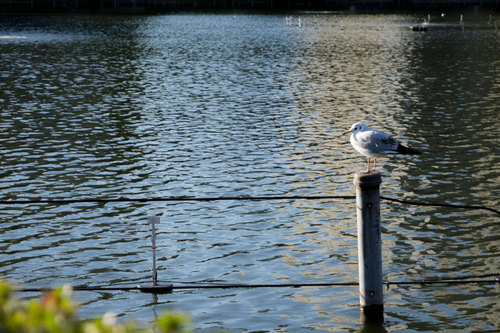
(244, 105)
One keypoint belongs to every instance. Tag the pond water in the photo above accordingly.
(246, 105)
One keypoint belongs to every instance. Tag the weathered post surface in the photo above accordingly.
(369, 245)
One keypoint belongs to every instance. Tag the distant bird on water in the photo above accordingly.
(372, 144)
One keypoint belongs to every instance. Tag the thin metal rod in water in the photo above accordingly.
(155, 286)
(369, 245)
(153, 220)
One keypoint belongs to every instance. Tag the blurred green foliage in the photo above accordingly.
(55, 312)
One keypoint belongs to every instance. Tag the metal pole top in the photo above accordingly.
(367, 180)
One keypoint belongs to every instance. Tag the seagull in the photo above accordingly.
(373, 143)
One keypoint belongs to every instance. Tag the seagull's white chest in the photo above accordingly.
(359, 148)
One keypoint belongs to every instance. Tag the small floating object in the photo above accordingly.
(11, 37)
(418, 28)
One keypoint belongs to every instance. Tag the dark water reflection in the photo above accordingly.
(245, 105)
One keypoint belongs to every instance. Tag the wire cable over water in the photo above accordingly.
(428, 204)
(485, 279)
(481, 279)
(237, 198)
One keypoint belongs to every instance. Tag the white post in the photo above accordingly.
(369, 245)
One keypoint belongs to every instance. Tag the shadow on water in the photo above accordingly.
(371, 326)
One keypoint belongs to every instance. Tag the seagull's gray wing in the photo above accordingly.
(377, 142)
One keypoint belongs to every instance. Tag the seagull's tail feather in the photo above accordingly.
(405, 150)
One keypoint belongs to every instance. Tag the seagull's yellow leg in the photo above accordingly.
(368, 169)
(374, 163)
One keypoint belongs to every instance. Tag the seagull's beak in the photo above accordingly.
(347, 132)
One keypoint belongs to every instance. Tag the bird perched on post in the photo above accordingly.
(372, 143)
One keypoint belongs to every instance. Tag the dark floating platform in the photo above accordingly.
(158, 288)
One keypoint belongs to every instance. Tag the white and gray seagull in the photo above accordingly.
(373, 143)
